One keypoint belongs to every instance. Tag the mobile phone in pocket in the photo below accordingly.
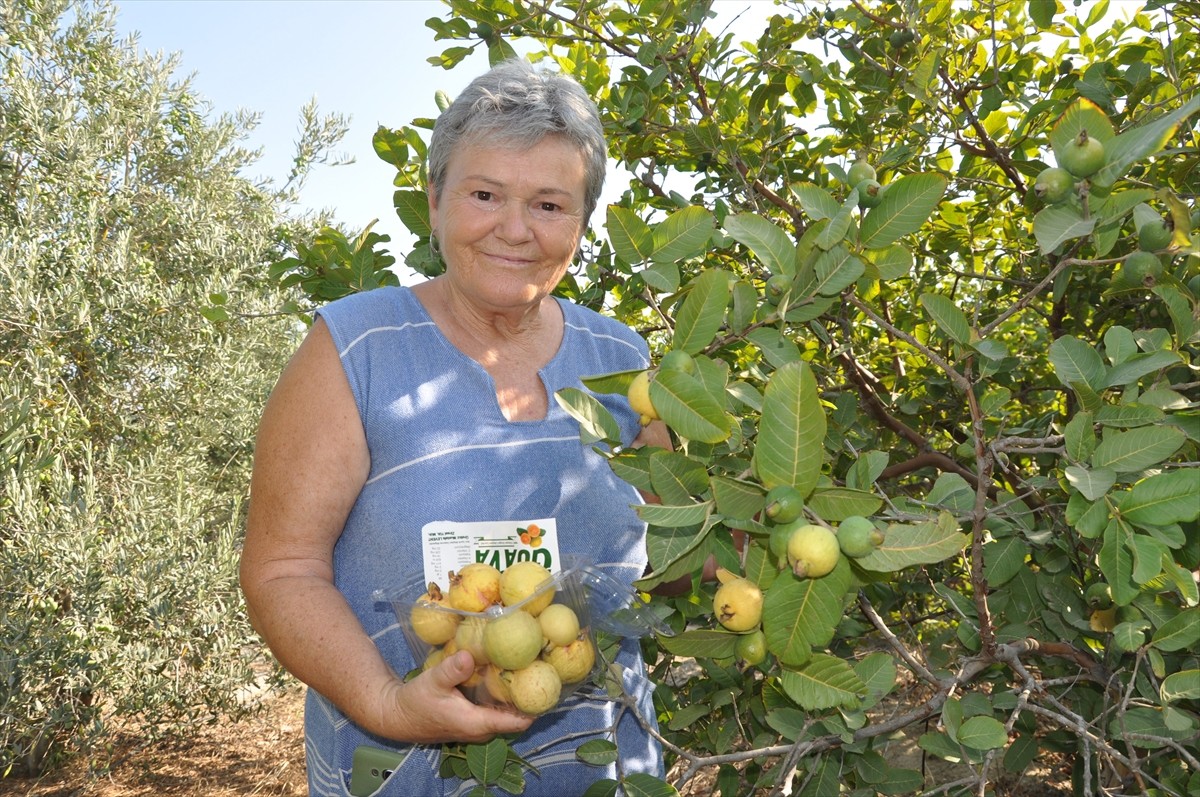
(370, 767)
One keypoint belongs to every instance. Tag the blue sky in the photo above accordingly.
(362, 59)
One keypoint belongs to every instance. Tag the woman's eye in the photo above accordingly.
(548, 207)
(483, 196)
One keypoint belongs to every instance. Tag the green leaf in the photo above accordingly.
(701, 643)
(918, 544)
(1003, 559)
(791, 434)
(596, 423)
(687, 715)
(1137, 449)
(631, 238)
(1076, 361)
(1080, 437)
(1134, 368)
(686, 406)
(639, 784)
(1093, 484)
(1181, 632)
(892, 262)
(800, 614)
(700, 317)
(832, 272)
(838, 503)
(390, 147)
(1116, 562)
(1128, 415)
(1059, 223)
(736, 499)
(824, 682)
(605, 787)
(949, 318)
(834, 232)
(765, 239)
(1141, 142)
(1042, 12)
(906, 205)
(1164, 498)
(1079, 116)
(486, 761)
(878, 673)
(815, 201)
(983, 733)
(682, 235)
(674, 516)
(412, 207)
(1182, 685)
(663, 277)
(1129, 636)
(598, 752)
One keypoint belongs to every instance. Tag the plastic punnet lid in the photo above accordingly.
(617, 607)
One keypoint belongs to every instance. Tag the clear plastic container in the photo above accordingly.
(598, 601)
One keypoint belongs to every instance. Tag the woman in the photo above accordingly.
(406, 407)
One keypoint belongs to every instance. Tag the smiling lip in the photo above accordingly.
(508, 259)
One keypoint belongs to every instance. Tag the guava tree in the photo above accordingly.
(923, 281)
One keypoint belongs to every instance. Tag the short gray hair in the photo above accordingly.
(513, 104)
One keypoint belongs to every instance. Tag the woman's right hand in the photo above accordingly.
(431, 709)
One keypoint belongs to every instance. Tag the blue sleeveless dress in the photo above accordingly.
(441, 450)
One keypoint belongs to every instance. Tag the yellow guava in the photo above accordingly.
(738, 604)
(431, 619)
(512, 640)
(475, 587)
(534, 689)
(522, 580)
(560, 624)
(813, 551)
(573, 662)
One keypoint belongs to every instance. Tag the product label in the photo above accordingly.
(446, 545)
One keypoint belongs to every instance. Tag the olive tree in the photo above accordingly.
(128, 235)
(922, 279)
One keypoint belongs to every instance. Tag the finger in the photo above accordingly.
(454, 670)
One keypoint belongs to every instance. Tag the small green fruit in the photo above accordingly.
(677, 360)
(857, 536)
(783, 504)
(1054, 185)
(870, 193)
(1098, 596)
(1154, 236)
(777, 285)
(860, 170)
(1084, 156)
(752, 648)
(1141, 268)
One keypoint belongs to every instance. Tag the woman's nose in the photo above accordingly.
(513, 226)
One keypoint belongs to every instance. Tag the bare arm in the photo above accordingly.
(310, 463)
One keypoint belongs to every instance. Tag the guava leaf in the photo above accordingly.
(1080, 437)
(390, 147)
(815, 201)
(948, 317)
(598, 752)
(1058, 223)
(1127, 416)
(673, 517)
(905, 206)
(675, 477)
(640, 784)
(1140, 142)
(834, 232)
(1181, 632)
(832, 272)
(838, 503)
(1076, 361)
(1137, 449)
(918, 544)
(687, 407)
(682, 235)
(412, 208)
(791, 433)
(596, 423)
(1116, 562)
(1163, 499)
(800, 614)
(631, 238)
(486, 761)
(701, 643)
(824, 682)
(702, 312)
(662, 276)
(1139, 365)
(1093, 484)
(769, 243)
(1182, 685)
(983, 733)
(736, 499)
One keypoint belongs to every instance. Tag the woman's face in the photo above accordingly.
(508, 220)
